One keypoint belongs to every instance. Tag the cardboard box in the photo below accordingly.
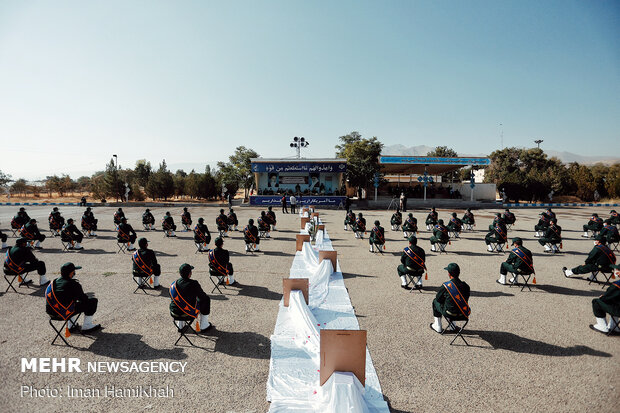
(290, 284)
(329, 255)
(343, 350)
(304, 221)
(300, 239)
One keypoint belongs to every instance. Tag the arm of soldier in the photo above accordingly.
(77, 293)
(403, 258)
(592, 256)
(441, 294)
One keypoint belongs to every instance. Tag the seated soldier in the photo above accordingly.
(614, 217)
(552, 236)
(145, 264)
(595, 225)
(543, 223)
(221, 221)
(250, 236)
(65, 296)
(118, 216)
(56, 220)
(396, 220)
(31, 232)
(468, 219)
(608, 303)
(263, 226)
(412, 260)
(3, 238)
(440, 235)
(498, 234)
(431, 219)
(360, 226)
(349, 220)
(219, 263)
(186, 220)
(71, 234)
(232, 220)
(519, 261)
(89, 222)
(202, 236)
(126, 234)
(20, 219)
(148, 220)
(271, 218)
(189, 300)
(610, 232)
(601, 258)
(451, 300)
(550, 214)
(167, 223)
(20, 260)
(410, 226)
(455, 225)
(376, 237)
(508, 217)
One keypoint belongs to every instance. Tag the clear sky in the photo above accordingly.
(189, 81)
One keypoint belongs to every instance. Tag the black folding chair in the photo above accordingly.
(497, 246)
(185, 328)
(16, 231)
(67, 245)
(143, 283)
(608, 277)
(21, 278)
(441, 248)
(411, 280)
(613, 246)
(221, 280)
(452, 327)
(526, 280)
(223, 232)
(249, 248)
(455, 234)
(63, 326)
(198, 247)
(378, 247)
(122, 246)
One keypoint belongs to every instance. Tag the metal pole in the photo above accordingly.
(425, 183)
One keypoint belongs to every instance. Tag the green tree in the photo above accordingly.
(584, 181)
(445, 152)
(237, 172)
(179, 183)
(612, 181)
(114, 187)
(143, 171)
(4, 180)
(161, 183)
(19, 187)
(362, 157)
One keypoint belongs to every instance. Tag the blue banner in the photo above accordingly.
(334, 167)
(425, 160)
(317, 200)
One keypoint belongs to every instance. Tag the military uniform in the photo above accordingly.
(543, 224)
(219, 263)
(56, 220)
(410, 226)
(89, 222)
(455, 224)
(3, 238)
(445, 305)
(508, 217)
(440, 235)
(232, 220)
(608, 303)
(168, 224)
(193, 301)
(271, 218)
(601, 258)
(376, 237)
(118, 216)
(413, 262)
(519, 261)
(468, 218)
(221, 221)
(595, 224)
(497, 234)
(552, 235)
(431, 218)
(263, 224)
(186, 218)
(67, 291)
(20, 260)
(396, 220)
(126, 233)
(250, 236)
(148, 219)
(349, 220)
(610, 233)
(70, 233)
(202, 235)
(360, 226)
(31, 232)
(20, 219)
(614, 217)
(144, 263)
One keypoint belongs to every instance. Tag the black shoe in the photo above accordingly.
(75, 328)
(235, 284)
(92, 329)
(405, 287)
(156, 287)
(204, 330)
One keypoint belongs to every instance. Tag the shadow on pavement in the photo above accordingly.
(503, 340)
(259, 292)
(556, 289)
(484, 294)
(246, 344)
(129, 346)
(346, 275)
(278, 253)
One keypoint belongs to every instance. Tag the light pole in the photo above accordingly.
(538, 142)
(116, 159)
(501, 135)
(299, 143)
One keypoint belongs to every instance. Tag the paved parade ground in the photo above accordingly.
(530, 351)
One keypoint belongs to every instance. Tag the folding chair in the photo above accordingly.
(249, 247)
(67, 245)
(21, 278)
(497, 246)
(396, 227)
(186, 227)
(469, 227)
(509, 226)
(63, 326)
(123, 246)
(454, 234)
(613, 246)
(147, 227)
(441, 248)
(608, 277)
(167, 232)
(526, 280)
(221, 280)
(223, 232)
(408, 234)
(359, 234)
(15, 230)
(616, 319)
(378, 247)
(553, 248)
(592, 233)
(143, 283)
(186, 328)
(55, 232)
(411, 280)
(198, 247)
(454, 328)
(263, 234)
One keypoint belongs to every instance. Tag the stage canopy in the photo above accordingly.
(416, 165)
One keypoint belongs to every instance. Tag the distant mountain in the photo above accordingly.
(566, 157)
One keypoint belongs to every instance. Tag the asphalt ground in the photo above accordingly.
(530, 351)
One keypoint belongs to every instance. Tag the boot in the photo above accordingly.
(419, 283)
(489, 248)
(247, 247)
(93, 233)
(437, 325)
(139, 281)
(231, 280)
(156, 282)
(502, 279)
(513, 280)
(205, 325)
(585, 234)
(172, 234)
(345, 227)
(89, 325)
(43, 280)
(131, 247)
(403, 281)
(4, 245)
(404, 234)
(372, 248)
(37, 245)
(555, 248)
(567, 272)
(601, 325)
(433, 248)
(236, 229)
(78, 246)
(547, 248)
(256, 247)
